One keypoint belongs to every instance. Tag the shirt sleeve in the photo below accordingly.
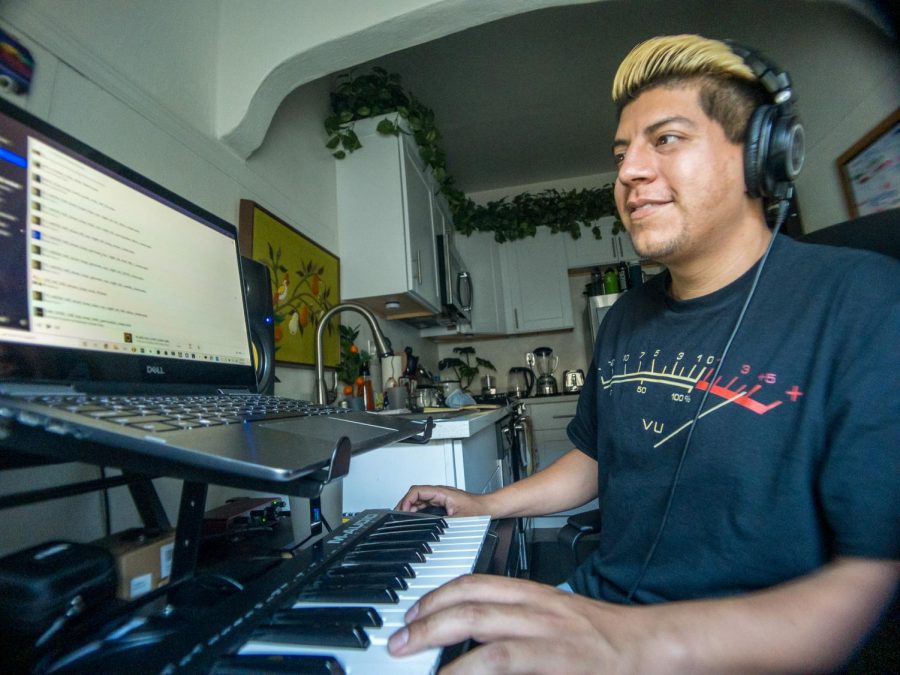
(582, 430)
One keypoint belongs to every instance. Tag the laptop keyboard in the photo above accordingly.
(170, 413)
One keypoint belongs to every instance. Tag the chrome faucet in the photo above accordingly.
(380, 341)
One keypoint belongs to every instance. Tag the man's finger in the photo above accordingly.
(482, 588)
(484, 622)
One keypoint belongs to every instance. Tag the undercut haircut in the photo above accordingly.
(729, 91)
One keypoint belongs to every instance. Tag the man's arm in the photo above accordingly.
(810, 624)
(569, 482)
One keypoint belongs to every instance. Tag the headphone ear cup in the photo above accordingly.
(756, 147)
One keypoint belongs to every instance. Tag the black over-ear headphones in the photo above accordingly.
(774, 146)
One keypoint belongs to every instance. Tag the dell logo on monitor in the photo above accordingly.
(155, 370)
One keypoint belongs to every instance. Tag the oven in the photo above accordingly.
(515, 457)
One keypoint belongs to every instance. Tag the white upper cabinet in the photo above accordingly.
(589, 252)
(385, 228)
(536, 283)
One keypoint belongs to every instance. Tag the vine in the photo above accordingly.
(357, 97)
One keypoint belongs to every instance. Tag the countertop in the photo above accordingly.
(555, 398)
(463, 424)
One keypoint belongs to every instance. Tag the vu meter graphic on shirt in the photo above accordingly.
(751, 390)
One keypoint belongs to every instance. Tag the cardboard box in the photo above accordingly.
(143, 560)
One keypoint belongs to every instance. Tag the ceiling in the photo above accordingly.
(526, 99)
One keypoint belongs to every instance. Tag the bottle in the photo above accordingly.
(623, 276)
(610, 281)
(596, 281)
(365, 388)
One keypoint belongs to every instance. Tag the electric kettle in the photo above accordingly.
(520, 382)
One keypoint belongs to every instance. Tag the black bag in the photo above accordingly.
(45, 587)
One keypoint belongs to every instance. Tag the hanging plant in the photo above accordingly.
(359, 97)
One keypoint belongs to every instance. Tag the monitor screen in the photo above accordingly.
(98, 263)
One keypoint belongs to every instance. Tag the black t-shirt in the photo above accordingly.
(796, 456)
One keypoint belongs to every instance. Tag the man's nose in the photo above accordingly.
(637, 165)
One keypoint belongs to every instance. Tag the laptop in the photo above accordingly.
(112, 288)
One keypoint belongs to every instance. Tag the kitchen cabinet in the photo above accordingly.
(590, 252)
(536, 284)
(549, 416)
(379, 478)
(481, 255)
(385, 226)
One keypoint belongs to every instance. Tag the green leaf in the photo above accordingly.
(333, 142)
(340, 154)
(386, 126)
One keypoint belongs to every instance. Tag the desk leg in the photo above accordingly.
(188, 530)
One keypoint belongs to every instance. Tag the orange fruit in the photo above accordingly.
(354, 349)
(348, 390)
(360, 380)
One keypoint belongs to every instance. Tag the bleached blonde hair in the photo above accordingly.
(729, 90)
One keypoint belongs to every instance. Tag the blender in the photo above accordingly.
(546, 362)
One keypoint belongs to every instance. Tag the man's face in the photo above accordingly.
(680, 185)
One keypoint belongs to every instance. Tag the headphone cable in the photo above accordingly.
(779, 220)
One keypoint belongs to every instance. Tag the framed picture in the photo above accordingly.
(305, 283)
(870, 169)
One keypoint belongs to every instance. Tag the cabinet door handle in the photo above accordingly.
(615, 251)
(516, 316)
(419, 266)
(563, 417)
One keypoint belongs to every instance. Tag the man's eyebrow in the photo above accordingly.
(653, 128)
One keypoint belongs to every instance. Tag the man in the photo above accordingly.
(769, 540)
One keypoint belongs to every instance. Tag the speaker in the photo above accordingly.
(258, 296)
(774, 146)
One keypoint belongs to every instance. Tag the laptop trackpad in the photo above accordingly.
(329, 428)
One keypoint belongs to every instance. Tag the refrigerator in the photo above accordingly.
(597, 307)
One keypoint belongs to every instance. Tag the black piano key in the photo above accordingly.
(367, 617)
(335, 635)
(387, 544)
(275, 663)
(386, 596)
(403, 570)
(434, 526)
(346, 580)
(404, 535)
(413, 518)
(399, 555)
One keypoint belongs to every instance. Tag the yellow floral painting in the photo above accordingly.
(305, 282)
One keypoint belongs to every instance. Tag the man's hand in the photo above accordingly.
(810, 624)
(455, 502)
(527, 627)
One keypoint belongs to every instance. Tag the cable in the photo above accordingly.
(779, 220)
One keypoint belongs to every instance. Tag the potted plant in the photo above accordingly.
(463, 368)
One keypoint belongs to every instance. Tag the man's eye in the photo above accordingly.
(666, 139)
(618, 157)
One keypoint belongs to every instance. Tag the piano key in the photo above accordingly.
(403, 570)
(255, 664)
(394, 581)
(350, 595)
(387, 555)
(366, 617)
(331, 634)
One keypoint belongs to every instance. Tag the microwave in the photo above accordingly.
(455, 282)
